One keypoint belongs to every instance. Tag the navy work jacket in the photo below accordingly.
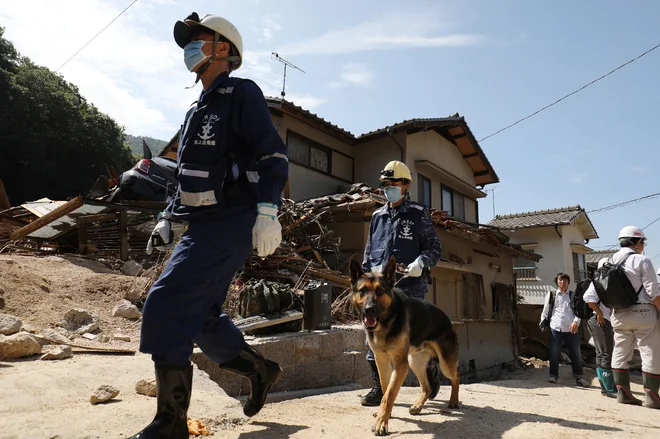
(228, 147)
(406, 232)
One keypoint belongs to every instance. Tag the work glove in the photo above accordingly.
(415, 268)
(161, 235)
(267, 231)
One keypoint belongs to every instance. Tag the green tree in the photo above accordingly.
(53, 143)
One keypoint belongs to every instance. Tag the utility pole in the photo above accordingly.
(286, 64)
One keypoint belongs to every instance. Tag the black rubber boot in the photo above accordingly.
(174, 385)
(375, 395)
(433, 375)
(651, 387)
(261, 372)
(622, 380)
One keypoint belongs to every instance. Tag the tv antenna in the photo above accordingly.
(286, 64)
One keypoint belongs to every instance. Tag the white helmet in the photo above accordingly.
(602, 262)
(222, 27)
(631, 232)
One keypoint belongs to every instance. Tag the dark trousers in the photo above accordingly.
(603, 340)
(184, 306)
(572, 342)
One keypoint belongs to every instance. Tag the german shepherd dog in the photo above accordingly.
(402, 332)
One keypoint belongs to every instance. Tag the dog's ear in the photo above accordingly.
(390, 271)
(356, 271)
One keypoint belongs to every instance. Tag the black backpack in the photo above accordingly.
(579, 306)
(613, 286)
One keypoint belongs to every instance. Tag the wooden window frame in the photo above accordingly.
(420, 189)
(444, 187)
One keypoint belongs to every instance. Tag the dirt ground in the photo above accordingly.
(50, 399)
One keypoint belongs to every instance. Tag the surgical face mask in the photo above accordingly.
(392, 193)
(193, 55)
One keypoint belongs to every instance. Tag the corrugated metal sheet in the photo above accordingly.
(65, 224)
(534, 294)
(42, 206)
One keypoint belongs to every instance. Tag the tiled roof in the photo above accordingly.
(596, 255)
(427, 121)
(538, 218)
(361, 197)
(283, 102)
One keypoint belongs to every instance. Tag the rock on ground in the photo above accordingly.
(77, 318)
(126, 309)
(121, 337)
(9, 324)
(146, 387)
(91, 328)
(58, 353)
(131, 268)
(18, 345)
(54, 336)
(103, 393)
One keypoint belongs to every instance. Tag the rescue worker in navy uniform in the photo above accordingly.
(232, 168)
(402, 228)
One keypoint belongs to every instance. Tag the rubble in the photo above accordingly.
(121, 337)
(58, 353)
(127, 310)
(146, 387)
(103, 394)
(78, 318)
(54, 336)
(19, 345)
(91, 328)
(9, 324)
(131, 268)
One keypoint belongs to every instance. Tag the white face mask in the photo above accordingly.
(392, 193)
(193, 55)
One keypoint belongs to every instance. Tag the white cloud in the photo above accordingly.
(269, 25)
(406, 29)
(354, 74)
(126, 72)
(306, 101)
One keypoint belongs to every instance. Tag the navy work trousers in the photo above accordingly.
(184, 306)
(572, 342)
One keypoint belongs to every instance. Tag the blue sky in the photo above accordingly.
(374, 63)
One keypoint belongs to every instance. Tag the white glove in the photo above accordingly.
(415, 268)
(162, 229)
(267, 231)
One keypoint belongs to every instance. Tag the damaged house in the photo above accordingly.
(335, 172)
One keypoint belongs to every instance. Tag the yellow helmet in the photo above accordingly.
(395, 170)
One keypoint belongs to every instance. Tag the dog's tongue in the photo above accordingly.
(370, 321)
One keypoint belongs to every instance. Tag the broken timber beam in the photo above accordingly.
(262, 321)
(87, 348)
(335, 279)
(56, 214)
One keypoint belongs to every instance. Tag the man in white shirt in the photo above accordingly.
(564, 326)
(638, 322)
(601, 331)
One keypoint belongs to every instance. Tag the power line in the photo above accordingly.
(80, 50)
(99, 33)
(625, 203)
(643, 228)
(571, 94)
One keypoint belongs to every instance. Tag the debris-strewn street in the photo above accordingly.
(52, 400)
(83, 393)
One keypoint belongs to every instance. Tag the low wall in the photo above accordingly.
(309, 360)
(336, 357)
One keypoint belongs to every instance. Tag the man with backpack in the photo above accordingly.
(559, 316)
(601, 331)
(627, 284)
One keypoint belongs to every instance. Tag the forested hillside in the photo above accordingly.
(53, 143)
